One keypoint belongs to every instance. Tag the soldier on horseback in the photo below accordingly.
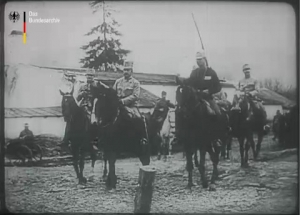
(128, 90)
(249, 86)
(85, 97)
(206, 81)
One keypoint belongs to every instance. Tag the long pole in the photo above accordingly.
(105, 42)
(198, 31)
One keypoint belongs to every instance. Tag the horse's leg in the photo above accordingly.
(228, 145)
(196, 158)
(75, 154)
(112, 178)
(214, 157)
(166, 147)
(160, 146)
(104, 176)
(93, 158)
(81, 166)
(189, 167)
(241, 142)
(258, 145)
(202, 168)
(247, 146)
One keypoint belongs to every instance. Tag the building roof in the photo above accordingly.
(270, 97)
(143, 78)
(147, 100)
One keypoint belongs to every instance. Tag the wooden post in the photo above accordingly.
(144, 191)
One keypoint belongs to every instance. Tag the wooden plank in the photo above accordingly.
(144, 191)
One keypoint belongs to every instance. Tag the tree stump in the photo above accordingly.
(144, 191)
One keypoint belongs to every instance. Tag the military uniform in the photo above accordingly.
(26, 136)
(128, 91)
(86, 95)
(161, 109)
(206, 80)
(250, 87)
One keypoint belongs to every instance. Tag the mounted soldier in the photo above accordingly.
(128, 90)
(205, 80)
(161, 109)
(85, 97)
(249, 87)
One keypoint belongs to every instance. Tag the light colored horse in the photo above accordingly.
(167, 135)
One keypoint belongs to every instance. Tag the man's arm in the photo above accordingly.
(215, 86)
(134, 96)
(170, 105)
(115, 85)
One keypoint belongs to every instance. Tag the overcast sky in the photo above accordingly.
(163, 37)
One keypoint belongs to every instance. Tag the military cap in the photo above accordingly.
(200, 55)
(246, 67)
(128, 65)
(26, 124)
(164, 93)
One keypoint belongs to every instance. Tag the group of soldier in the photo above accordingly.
(203, 78)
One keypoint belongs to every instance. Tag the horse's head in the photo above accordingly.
(187, 100)
(107, 106)
(68, 104)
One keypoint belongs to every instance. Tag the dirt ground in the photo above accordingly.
(265, 187)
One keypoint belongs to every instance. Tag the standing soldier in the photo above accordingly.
(161, 109)
(250, 87)
(128, 90)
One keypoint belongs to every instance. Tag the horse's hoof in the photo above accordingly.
(205, 185)
(83, 180)
(212, 187)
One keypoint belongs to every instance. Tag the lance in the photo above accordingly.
(199, 35)
(198, 31)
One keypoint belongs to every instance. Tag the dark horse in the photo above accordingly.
(79, 134)
(117, 133)
(244, 128)
(199, 131)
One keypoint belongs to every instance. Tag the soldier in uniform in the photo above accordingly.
(206, 80)
(161, 109)
(26, 133)
(86, 96)
(250, 87)
(128, 90)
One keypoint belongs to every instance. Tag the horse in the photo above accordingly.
(167, 136)
(244, 128)
(79, 134)
(198, 131)
(118, 133)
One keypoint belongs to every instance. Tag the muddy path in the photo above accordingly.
(265, 187)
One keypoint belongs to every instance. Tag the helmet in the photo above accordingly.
(200, 55)
(128, 65)
(246, 67)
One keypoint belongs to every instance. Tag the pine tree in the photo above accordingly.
(104, 52)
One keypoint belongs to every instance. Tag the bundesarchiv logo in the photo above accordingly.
(14, 16)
